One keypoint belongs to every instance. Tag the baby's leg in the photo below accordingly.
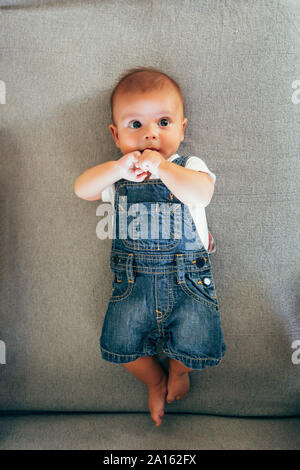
(148, 370)
(178, 381)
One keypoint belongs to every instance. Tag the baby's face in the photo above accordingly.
(149, 120)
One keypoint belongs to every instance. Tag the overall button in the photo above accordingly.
(200, 262)
(206, 281)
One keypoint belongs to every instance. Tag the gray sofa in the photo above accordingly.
(236, 63)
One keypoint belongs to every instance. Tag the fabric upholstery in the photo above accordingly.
(236, 62)
(96, 431)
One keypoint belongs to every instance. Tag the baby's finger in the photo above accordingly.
(136, 155)
(145, 166)
(141, 176)
(133, 157)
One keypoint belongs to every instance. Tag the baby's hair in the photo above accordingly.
(143, 79)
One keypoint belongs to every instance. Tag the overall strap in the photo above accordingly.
(211, 242)
(181, 160)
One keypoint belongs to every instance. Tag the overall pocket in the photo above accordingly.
(121, 286)
(200, 285)
(151, 226)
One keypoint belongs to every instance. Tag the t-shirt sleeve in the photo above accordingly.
(196, 163)
(108, 194)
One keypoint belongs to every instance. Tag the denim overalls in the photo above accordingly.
(163, 286)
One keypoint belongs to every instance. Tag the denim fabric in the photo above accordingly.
(163, 286)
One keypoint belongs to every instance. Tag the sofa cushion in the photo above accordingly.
(95, 431)
(235, 62)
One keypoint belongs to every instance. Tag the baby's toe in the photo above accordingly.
(170, 399)
(157, 417)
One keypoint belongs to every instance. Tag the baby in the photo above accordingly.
(163, 286)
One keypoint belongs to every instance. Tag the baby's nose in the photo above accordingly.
(151, 132)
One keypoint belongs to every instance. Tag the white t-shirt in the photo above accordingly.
(197, 210)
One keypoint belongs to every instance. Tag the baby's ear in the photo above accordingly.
(114, 131)
(184, 123)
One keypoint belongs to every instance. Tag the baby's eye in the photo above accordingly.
(133, 122)
(136, 124)
(164, 120)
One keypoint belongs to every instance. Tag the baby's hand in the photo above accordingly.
(150, 161)
(129, 169)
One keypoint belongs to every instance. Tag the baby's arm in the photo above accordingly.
(90, 184)
(93, 181)
(190, 186)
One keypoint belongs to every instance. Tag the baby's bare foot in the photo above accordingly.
(178, 386)
(156, 400)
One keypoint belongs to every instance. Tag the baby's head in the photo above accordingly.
(147, 112)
